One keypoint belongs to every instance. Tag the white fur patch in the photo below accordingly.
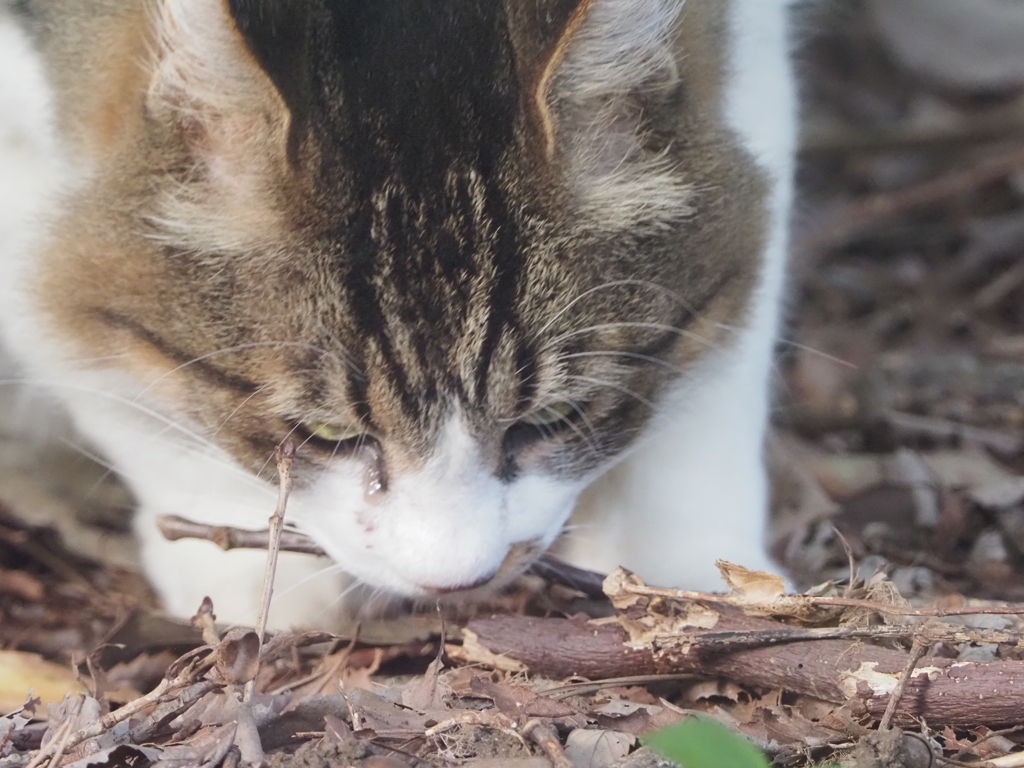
(445, 525)
(621, 45)
(696, 491)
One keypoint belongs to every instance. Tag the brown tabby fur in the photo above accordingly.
(252, 334)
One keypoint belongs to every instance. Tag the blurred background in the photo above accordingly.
(900, 420)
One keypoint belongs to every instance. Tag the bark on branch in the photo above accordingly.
(943, 691)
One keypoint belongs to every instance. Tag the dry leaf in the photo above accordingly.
(21, 672)
(236, 658)
(519, 702)
(649, 619)
(597, 749)
(427, 692)
(472, 652)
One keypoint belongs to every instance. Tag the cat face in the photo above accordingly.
(459, 254)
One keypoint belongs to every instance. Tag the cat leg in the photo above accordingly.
(693, 493)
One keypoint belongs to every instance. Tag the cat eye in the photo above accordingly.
(331, 433)
(549, 414)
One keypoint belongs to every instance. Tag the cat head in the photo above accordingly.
(460, 252)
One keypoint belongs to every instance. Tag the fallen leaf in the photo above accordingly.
(22, 585)
(121, 756)
(519, 702)
(427, 692)
(754, 588)
(21, 672)
(588, 748)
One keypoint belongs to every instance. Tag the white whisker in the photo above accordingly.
(612, 385)
(652, 326)
(616, 353)
(617, 284)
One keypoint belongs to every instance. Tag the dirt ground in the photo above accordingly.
(898, 472)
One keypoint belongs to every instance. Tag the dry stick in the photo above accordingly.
(593, 686)
(283, 454)
(969, 749)
(109, 720)
(59, 743)
(725, 641)
(174, 528)
(841, 602)
(916, 653)
(544, 736)
(1015, 760)
(840, 671)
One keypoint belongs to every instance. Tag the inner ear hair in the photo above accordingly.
(206, 82)
(610, 68)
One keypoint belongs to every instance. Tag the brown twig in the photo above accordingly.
(544, 736)
(283, 454)
(850, 672)
(725, 641)
(969, 749)
(204, 622)
(174, 528)
(167, 686)
(916, 653)
(592, 686)
(840, 602)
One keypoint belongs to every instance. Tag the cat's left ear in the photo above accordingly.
(605, 67)
(212, 88)
(208, 83)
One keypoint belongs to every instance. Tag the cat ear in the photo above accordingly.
(208, 82)
(613, 65)
(210, 88)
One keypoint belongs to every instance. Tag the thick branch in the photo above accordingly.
(943, 691)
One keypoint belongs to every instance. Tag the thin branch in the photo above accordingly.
(861, 214)
(283, 454)
(933, 631)
(916, 654)
(544, 736)
(174, 528)
(841, 602)
(592, 686)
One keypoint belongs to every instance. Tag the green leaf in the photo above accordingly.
(699, 743)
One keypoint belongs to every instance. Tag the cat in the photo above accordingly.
(487, 263)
